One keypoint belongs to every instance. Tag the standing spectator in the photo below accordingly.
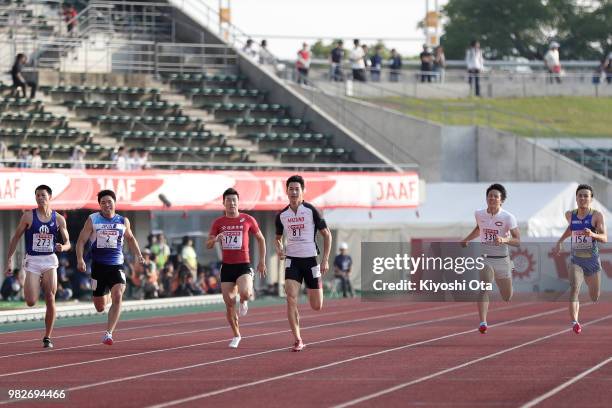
(395, 66)
(439, 63)
(552, 63)
(265, 56)
(426, 63)
(120, 161)
(336, 56)
(189, 256)
(343, 265)
(19, 81)
(376, 65)
(303, 64)
(357, 62)
(36, 160)
(607, 67)
(366, 57)
(78, 158)
(70, 15)
(161, 251)
(475, 65)
(249, 50)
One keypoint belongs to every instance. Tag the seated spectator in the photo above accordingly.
(3, 152)
(167, 279)
(120, 161)
(36, 160)
(212, 284)
(78, 158)
(11, 287)
(187, 286)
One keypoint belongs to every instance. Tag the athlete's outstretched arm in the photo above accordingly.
(83, 237)
(261, 245)
(600, 227)
(21, 227)
(132, 242)
(61, 224)
(475, 232)
(327, 241)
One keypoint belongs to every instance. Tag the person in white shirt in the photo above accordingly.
(357, 62)
(497, 229)
(249, 50)
(552, 63)
(36, 161)
(133, 161)
(120, 161)
(475, 65)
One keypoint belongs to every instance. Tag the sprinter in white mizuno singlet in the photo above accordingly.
(497, 229)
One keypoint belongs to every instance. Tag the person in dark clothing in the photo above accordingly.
(395, 66)
(426, 64)
(343, 265)
(19, 80)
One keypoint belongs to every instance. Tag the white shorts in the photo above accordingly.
(502, 267)
(40, 263)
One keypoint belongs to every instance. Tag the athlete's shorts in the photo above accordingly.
(590, 266)
(38, 264)
(231, 272)
(304, 269)
(104, 277)
(502, 267)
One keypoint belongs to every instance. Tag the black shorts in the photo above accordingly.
(104, 277)
(304, 269)
(231, 272)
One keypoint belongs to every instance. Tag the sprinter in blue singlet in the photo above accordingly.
(41, 227)
(586, 228)
(105, 231)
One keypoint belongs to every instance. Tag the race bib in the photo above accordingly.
(232, 240)
(316, 271)
(581, 241)
(42, 243)
(107, 238)
(489, 236)
(296, 232)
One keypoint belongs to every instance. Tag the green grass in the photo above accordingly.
(542, 117)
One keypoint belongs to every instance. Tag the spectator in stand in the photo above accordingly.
(161, 251)
(12, 286)
(78, 158)
(167, 279)
(3, 152)
(426, 63)
(212, 285)
(36, 160)
(249, 50)
(133, 160)
(303, 64)
(335, 58)
(120, 161)
(189, 256)
(475, 65)
(187, 286)
(439, 63)
(376, 65)
(552, 63)
(19, 81)
(357, 62)
(366, 57)
(143, 160)
(395, 66)
(22, 158)
(64, 287)
(70, 15)
(265, 56)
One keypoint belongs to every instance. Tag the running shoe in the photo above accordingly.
(298, 346)
(235, 342)
(243, 308)
(47, 343)
(107, 339)
(482, 328)
(577, 328)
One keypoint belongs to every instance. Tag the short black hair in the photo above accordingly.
(107, 193)
(500, 188)
(295, 179)
(230, 191)
(44, 187)
(585, 187)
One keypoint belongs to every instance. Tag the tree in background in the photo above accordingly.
(525, 27)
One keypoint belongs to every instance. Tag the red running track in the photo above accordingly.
(357, 354)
